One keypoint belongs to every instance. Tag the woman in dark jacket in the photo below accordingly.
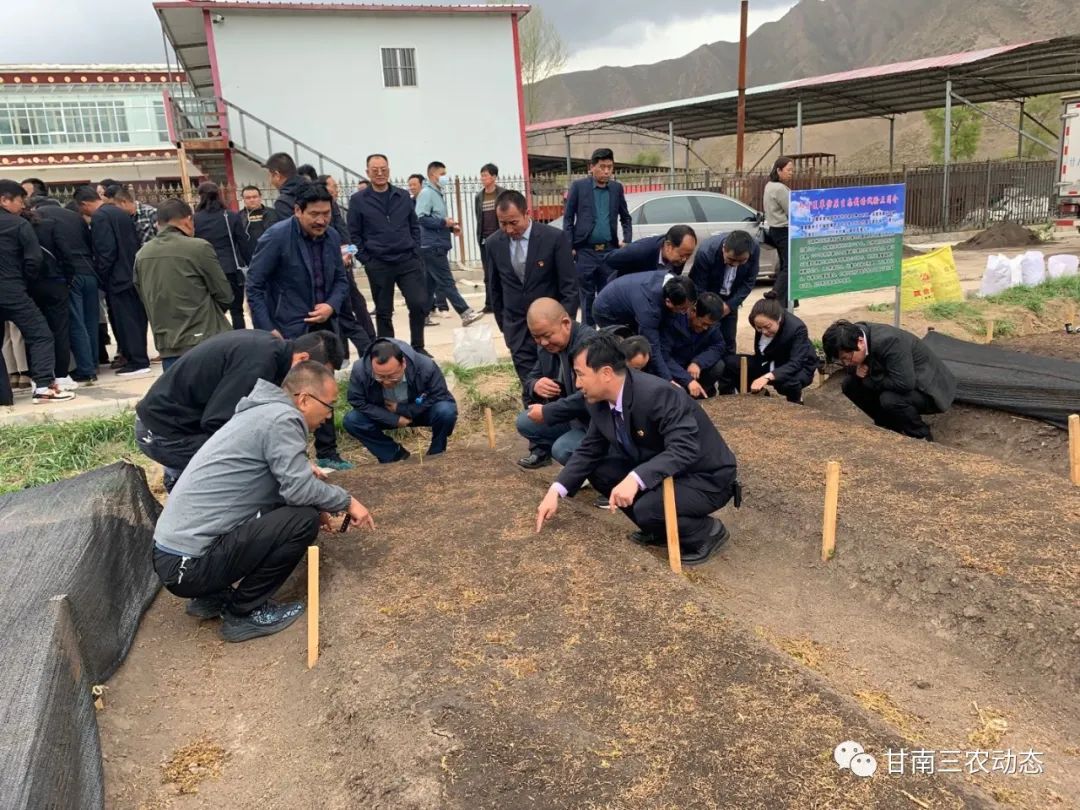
(783, 357)
(224, 230)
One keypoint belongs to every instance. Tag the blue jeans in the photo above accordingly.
(83, 307)
(166, 363)
(441, 280)
(559, 440)
(592, 276)
(440, 417)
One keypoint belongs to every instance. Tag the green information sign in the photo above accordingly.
(845, 239)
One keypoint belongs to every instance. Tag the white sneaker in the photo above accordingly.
(470, 316)
(129, 371)
(65, 383)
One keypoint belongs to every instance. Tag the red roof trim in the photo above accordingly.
(347, 7)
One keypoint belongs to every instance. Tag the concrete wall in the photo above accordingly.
(318, 77)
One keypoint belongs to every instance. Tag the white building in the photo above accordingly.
(331, 83)
(71, 124)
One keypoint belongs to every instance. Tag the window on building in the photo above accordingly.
(45, 123)
(399, 67)
(159, 121)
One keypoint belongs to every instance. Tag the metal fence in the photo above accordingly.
(979, 194)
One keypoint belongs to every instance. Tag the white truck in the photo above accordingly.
(1068, 181)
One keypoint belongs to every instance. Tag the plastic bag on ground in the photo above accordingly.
(1032, 268)
(1062, 266)
(474, 346)
(997, 277)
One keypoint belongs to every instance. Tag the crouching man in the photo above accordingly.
(643, 430)
(248, 506)
(395, 386)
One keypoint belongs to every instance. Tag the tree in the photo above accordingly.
(1047, 110)
(966, 131)
(648, 157)
(543, 54)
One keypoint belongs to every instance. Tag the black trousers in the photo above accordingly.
(51, 297)
(410, 277)
(7, 396)
(174, 452)
(696, 498)
(17, 306)
(236, 308)
(522, 346)
(900, 412)
(778, 238)
(729, 328)
(129, 321)
(485, 261)
(260, 553)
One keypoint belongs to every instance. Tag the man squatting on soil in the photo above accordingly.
(643, 429)
(893, 377)
(248, 506)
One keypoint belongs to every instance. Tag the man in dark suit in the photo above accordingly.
(643, 430)
(529, 260)
(555, 417)
(669, 252)
(116, 242)
(642, 303)
(693, 346)
(893, 378)
(727, 264)
(595, 206)
(487, 223)
(296, 284)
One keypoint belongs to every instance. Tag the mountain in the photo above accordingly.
(814, 37)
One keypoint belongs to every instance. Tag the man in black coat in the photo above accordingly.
(529, 260)
(198, 394)
(283, 177)
(670, 251)
(693, 347)
(555, 417)
(643, 430)
(115, 243)
(728, 264)
(893, 377)
(73, 236)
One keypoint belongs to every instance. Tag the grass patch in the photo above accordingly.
(1035, 298)
(885, 307)
(40, 454)
(951, 310)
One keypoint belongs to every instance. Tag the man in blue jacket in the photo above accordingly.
(296, 284)
(727, 264)
(595, 206)
(383, 226)
(643, 303)
(670, 252)
(693, 346)
(436, 229)
(394, 386)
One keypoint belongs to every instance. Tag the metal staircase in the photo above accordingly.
(211, 130)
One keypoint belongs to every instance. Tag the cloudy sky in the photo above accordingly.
(626, 32)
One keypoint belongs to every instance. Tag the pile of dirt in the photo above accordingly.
(909, 252)
(470, 663)
(1000, 235)
(1058, 344)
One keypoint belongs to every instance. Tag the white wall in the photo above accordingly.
(318, 77)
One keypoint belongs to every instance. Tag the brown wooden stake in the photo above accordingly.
(185, 181)
(744, 385)
(832, 495)
(312, 605)
(1074, 449)
(671, 523)
(990, 331)
(490, 427)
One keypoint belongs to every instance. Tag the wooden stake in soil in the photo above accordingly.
(990, 330)
(1074, 449)
(312, 606)
(744, 386)
(490, 427)
(671, 523)
(832, 495)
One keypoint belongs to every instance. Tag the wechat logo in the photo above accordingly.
(850, 755)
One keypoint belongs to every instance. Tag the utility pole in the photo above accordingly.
(740, 125)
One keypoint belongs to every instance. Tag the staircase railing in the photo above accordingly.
(197, 118)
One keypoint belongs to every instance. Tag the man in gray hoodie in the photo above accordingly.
(248, 506)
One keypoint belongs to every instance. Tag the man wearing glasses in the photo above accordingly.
(393, 386)
(247, 508)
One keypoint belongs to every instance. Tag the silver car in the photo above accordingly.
(653, 212)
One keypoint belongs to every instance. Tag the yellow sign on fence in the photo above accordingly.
(929, 278)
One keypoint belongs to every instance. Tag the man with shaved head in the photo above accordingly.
(555, 417)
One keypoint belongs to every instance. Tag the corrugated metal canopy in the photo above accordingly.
(993, 74)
